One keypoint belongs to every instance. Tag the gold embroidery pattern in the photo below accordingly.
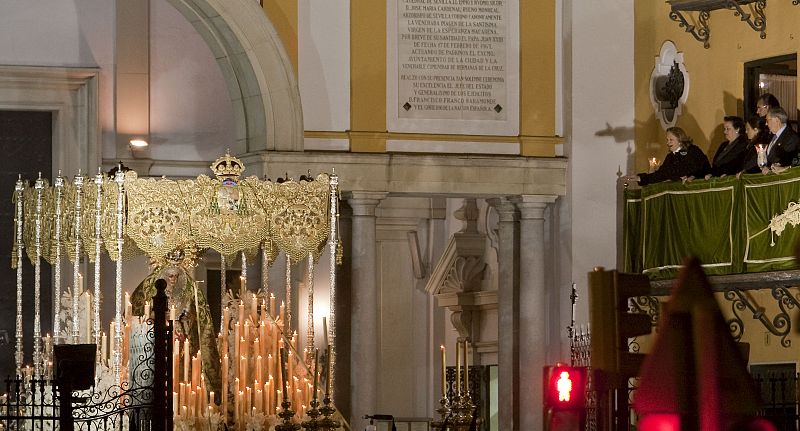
(224, 213)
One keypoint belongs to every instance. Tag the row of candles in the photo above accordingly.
(254, 337)
(253, 388)
(461, 352)
(456, 412)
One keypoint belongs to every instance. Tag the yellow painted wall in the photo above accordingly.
(537, 98)
(283, 15)
(765, 347)
(716, 74)
(368, 76)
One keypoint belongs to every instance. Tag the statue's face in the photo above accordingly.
(172, 278)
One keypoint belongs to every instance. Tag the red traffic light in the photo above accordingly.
(565, 387)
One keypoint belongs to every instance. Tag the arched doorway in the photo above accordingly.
(262, 85)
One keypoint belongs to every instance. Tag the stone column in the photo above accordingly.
(508, 316)
(364, 347)
(532, 308)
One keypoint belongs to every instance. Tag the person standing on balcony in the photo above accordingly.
(783, 147)
(731, 153)
(684, 161)
(765, 102)
(755, 137)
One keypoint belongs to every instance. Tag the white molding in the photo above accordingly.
(423, 175)
(326, 144)
(71, 94)
(460, 245)
(400, 174)
(481, 300)
(452, 147)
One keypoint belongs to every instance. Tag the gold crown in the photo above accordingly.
(227, 166)
(183, 255)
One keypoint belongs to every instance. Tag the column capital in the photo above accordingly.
(531, 207)
(505, 208)
(364, 203)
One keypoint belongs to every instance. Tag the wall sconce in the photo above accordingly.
(754, 16)
(138, 143)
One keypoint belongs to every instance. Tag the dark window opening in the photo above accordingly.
(775, 75)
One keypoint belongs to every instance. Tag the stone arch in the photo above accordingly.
(261, 82)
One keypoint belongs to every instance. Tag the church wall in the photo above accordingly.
(400, 354)
(324, 58)
(65, 33)
(405, 309)
(191, 117)
(77, 33)
(359, 41)
(598, 122)
(284, 17)
(716, 74)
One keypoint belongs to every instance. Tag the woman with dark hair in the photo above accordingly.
(684, 160)
(730, 154)
(755, 137)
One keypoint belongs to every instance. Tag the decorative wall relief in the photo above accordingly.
(669, 85)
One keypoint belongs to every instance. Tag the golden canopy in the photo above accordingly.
(224, 213)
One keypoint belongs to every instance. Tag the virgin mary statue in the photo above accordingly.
(192, 315)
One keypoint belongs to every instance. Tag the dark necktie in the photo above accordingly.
(771, 144)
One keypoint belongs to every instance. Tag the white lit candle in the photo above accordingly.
(444, 373)
(458, 368)
(653, 164)
(103, 347)
(225, 386)
(466, 367)
(128, 307)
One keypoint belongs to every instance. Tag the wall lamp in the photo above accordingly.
(138, 143)
(749, 11)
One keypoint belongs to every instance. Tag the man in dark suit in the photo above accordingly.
(782, 149)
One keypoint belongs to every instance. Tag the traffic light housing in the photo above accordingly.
(612, 324)
(565, 387)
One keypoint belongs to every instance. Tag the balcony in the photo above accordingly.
(744, 231)
(735, 226)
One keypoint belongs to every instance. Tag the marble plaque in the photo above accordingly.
(453, 66)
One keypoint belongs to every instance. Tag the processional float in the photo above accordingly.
(264, 375)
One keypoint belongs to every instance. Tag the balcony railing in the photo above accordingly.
(735, 226)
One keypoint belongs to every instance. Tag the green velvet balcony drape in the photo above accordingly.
(732, 225)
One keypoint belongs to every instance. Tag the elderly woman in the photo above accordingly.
(683, 161)
(730, 155)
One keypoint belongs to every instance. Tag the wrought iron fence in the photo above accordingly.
(34, 404)
(137, 403)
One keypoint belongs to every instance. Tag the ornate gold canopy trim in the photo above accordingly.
(161, 215)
